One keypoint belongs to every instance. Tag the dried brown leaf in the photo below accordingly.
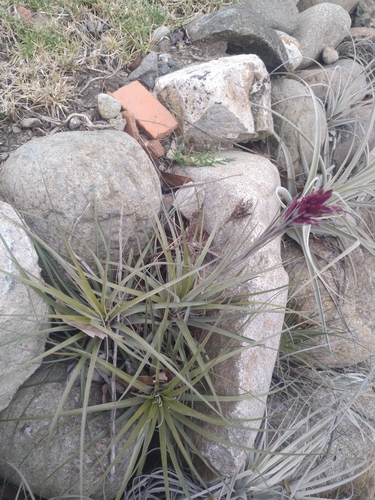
(174, 180)
(136, 62)
(164, 376)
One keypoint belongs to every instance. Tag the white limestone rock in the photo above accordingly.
(251, 180)
(108, 106)
(222, 99)
(293, 49)
(20, 326)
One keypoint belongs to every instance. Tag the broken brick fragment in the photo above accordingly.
(131, 125)
(151, 116)
(25, 14)
(153, 148)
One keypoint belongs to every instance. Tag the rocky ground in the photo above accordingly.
(32, 123)
(184, 47)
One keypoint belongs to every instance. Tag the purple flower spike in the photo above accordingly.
(308, 209)
(302, 211)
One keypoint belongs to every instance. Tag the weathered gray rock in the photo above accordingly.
(21, 336)
(65, 175)
(147, 71)
(345, 4)
(30, 123)
(249, 181)
(324, 25)
(119, 123)
(349, 309)
(331, 80)
(281, 15)
(108, 106)
(51, 464)
(292, 100)
(330, 55)
(243, 31)
(368, 8)
(218, 100)
(189, 198)
(348, 137)
(293, 49)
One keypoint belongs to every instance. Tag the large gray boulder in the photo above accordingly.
(243, 31)
(281, 15)
(65, 178)
(324, 25)
(250, 181)
(347, 299)
(49, 458)
(294, 102)
(220, 100)
(330, 81)
(348, 5)
(21, 309)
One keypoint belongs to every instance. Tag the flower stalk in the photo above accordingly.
(302, 211)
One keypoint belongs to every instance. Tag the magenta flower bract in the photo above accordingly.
(307, 209)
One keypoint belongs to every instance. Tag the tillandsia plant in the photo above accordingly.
(140, 328)
(350, 184)
(290, 462)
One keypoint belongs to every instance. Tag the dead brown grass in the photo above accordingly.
(40, 61)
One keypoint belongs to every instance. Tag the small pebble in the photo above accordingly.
(108, 106)
(4, 156)
(330, 55)
(147, 70)
(159, 33)
(164, 58)
(164, 69)
(40, 20)
(96, 28)
(16, 129)
(149, 80)
(74, 123)
(164, 45)
(30, 123)
(119, 123)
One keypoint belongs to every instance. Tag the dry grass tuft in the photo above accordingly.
(40, 59)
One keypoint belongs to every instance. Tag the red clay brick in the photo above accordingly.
(25, 13)
(153, 148)
(131, 126)
(151, 116)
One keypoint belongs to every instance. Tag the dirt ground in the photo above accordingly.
(88, 84)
